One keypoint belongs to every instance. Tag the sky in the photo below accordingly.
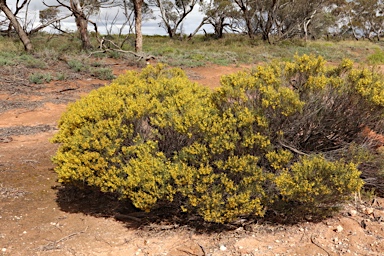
(149, 27)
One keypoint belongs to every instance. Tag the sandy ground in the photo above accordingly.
(38, 216)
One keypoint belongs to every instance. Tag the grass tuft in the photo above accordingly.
(39, 78)
(376, 58)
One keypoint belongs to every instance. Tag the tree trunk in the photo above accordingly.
(248, 23)
(81, 23)
(170, 31)
(22, 34)
(306, 24)
(198, 27)
(219, 28)
(271, 20)
(138, 4)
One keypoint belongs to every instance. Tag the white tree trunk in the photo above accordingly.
(138, 4)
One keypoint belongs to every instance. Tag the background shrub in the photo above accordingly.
(39, 78)
(376, 58)
(102, 73)
(278, 133)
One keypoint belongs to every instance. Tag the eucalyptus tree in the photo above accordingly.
(267, 13)
(173, 13)
(135, 12)
(82, 10)
(218, 13)
(282, 19)
(132, 18)
(247, 9)
(294, 18)
(367, 16)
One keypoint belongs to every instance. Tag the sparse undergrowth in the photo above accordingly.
(198, 51)
(96, 69)
(39, 78)
(271, 137)
(43, 62)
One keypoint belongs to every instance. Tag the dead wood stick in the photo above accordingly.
(68, 89)
(313, 241)
(293, 149)
(202, 248)
(53, 245)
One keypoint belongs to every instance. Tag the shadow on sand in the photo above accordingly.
(166, 216)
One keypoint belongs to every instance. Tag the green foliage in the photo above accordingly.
(96, 69)
(61, 76)
(77, 65)
(13, 58)
(31, 62)
(47, 55)
(102, 73)
(232, 49)
(39, 78)
(114, 55)
(165, 50)
(7, 58)
(9, 45)
(277, 133)
(376, 58)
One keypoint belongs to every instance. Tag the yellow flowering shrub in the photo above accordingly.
(276, 114)
(318, 182)
(121, 138)
(223, 191)
(265, 135)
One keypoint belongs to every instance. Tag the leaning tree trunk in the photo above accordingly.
(19, 30)
(138, 4)
(81, 23)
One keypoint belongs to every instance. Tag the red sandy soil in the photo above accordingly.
(38, 216)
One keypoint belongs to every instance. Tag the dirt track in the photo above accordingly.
(40, 217)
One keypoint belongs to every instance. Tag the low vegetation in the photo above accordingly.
(198, 51)
(283, 136)
(39, 78)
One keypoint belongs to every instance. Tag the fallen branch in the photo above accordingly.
(116, 48)
(68, 89)
(140, 56)
(37, 29)
(313, 241)
(54, 245)
(293, 149)
(202, 248)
